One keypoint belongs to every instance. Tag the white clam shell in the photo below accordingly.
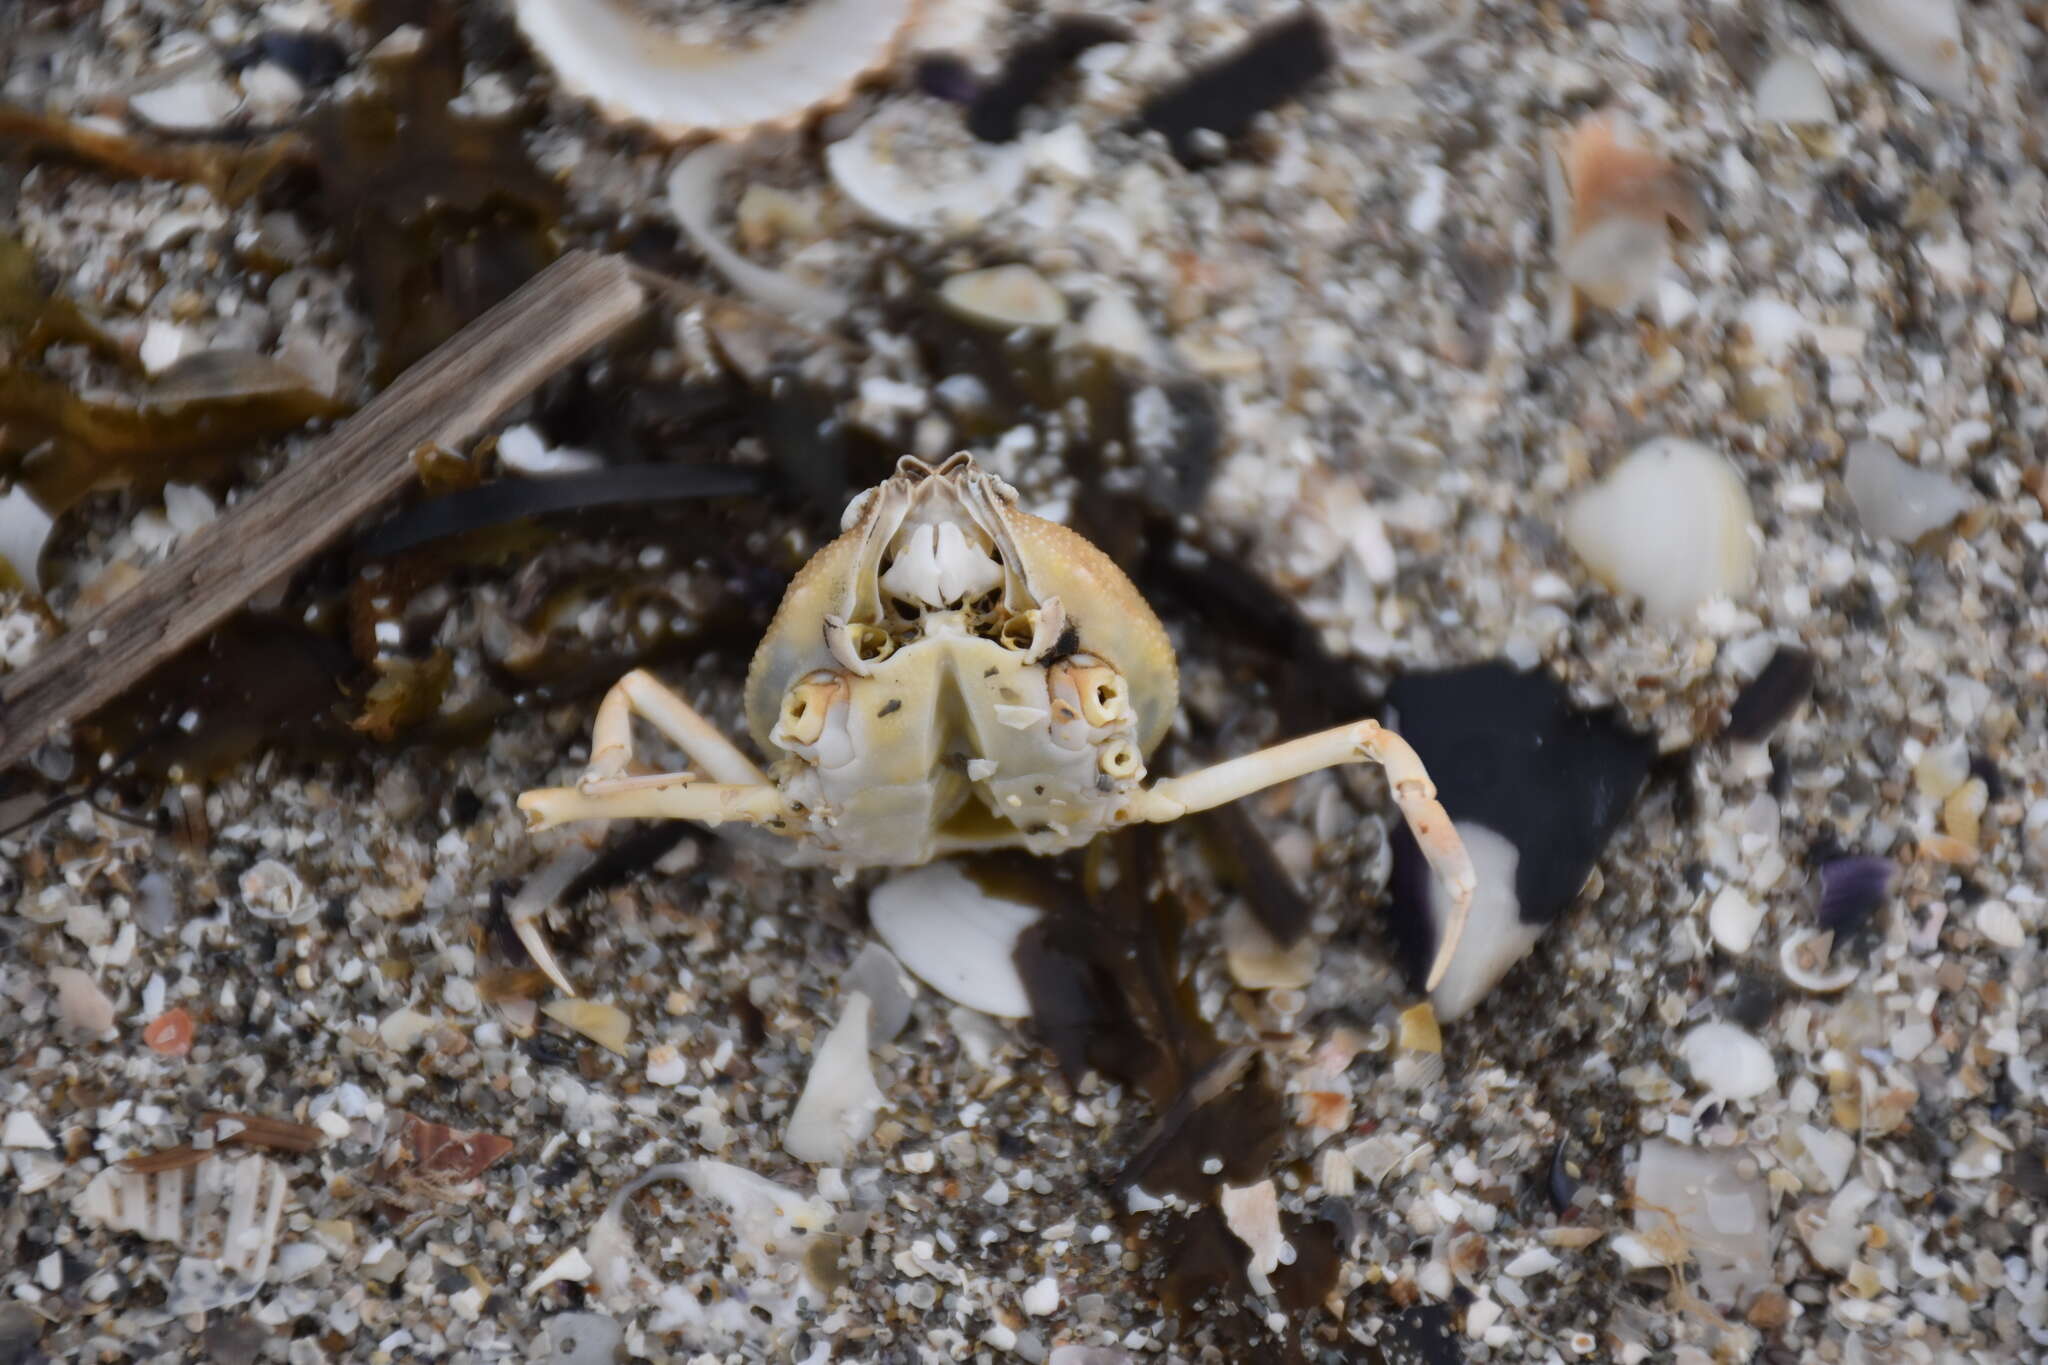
(1729, 1062)
(1733, 920)
(955, 937)
(1670, 524)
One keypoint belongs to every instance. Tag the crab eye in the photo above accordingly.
(1019, 631)
(805, 710)
(1120, 760)
(871, 643)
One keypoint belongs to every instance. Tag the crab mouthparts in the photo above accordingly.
(937, 567)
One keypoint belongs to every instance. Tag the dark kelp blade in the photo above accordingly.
(996, 110)
(1272, 67)
(507, 500)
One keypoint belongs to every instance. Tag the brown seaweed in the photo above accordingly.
(33, 318)
(187, 424)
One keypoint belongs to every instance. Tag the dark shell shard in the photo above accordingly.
(1772, 696)
(1508, 751)
(1851, 889)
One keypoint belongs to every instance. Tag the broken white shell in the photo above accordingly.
(1791, 91)
(692, 190)
(81, 1003)
(1711, 1205)
(1896, 500)
(24, 531)
(1729, 1062)
(1670, 524)
(635, 72)
(769, 1224)
(195, 102)
(1922, 40)
(955, 937)
(1496, 936)
(836, 1111)
(892, 172)
(1733, 919)
(1804, 960)
(1252, 1212)
(875, 973)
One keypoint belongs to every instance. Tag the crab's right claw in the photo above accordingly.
(542, 890)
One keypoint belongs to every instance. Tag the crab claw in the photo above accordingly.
(542, 890)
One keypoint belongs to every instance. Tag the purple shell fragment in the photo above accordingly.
(1851, 888)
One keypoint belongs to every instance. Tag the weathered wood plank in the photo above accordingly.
(446, 399)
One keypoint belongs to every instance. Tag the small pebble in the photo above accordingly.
(1006, 297)
(1042, 1298)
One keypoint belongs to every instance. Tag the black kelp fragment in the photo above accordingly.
(1422, 1335)
(1273, 66)
(507, 500)
(315, 60)
(1314, 688)
(1509, 752)
(995, 111)
(1245, 862)
(1772, 696)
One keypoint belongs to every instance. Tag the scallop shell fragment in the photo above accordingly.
(635, 72)
(225, 1211)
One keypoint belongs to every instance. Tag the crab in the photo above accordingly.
(953, 674)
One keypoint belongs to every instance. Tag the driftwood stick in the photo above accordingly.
(446, 399)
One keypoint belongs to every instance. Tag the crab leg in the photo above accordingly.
(653, 796)
(672, 796)
(1364, 742)
(641, 694)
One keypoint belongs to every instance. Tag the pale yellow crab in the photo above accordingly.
(953, 674)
